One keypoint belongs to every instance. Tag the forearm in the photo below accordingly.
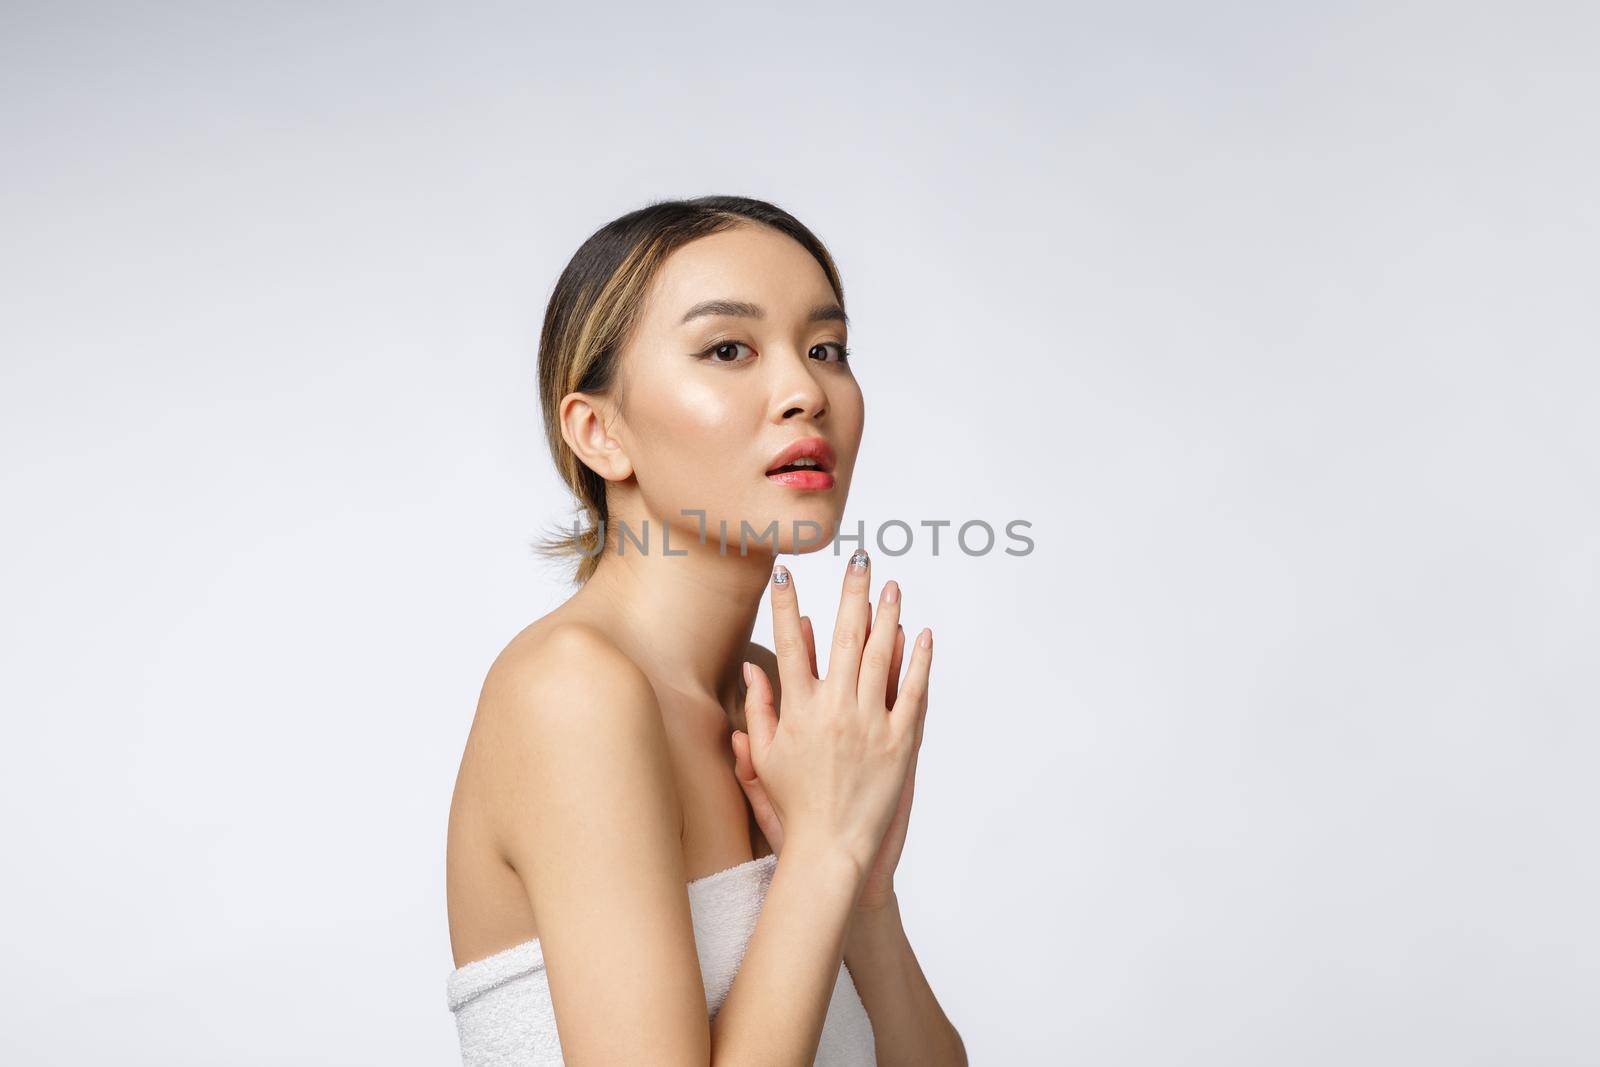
(776, 1007)
(908, 1025)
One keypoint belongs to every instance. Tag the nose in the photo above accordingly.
(797, 394)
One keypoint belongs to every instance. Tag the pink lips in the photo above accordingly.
(803, 479)
(818, 477)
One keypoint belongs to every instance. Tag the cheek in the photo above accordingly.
(849, 412)
(693, 438)
(698, 410)
(690, 419)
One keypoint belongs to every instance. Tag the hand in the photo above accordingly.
(877, 888)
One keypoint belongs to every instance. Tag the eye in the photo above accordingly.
(723, 352)
(841, 353)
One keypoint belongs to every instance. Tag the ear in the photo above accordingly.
(584, 426)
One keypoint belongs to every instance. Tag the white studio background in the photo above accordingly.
(1277, 322)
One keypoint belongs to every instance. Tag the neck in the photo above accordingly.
(686, 618)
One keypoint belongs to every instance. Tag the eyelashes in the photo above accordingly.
(711, 353)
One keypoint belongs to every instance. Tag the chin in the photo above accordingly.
(788, 547)
(796, 524)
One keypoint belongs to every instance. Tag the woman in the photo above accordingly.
(668, 844)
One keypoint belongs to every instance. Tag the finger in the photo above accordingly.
(810, 635)
(761, 806)
(850, 628)
(922, 713)
(895, 663)
(760, 716)
(880, 646)
(909, 705)
(911, 782)
(787, 642)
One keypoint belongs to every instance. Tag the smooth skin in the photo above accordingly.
(601, 772)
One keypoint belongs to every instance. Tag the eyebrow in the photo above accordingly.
(746, 310)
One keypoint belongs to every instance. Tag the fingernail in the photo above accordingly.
(891, 595)
(858, 561)
(780, 575)
(925, 639)
(744, 668)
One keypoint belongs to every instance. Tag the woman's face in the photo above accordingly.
(736, 357)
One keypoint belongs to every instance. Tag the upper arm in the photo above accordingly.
(590, 820)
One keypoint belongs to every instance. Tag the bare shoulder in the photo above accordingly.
(565, 670)
(563, 704)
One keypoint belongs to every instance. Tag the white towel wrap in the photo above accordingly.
(502, 1002)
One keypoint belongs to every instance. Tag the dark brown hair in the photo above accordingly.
(592, 313)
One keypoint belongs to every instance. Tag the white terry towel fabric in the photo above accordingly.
(502, 1003)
